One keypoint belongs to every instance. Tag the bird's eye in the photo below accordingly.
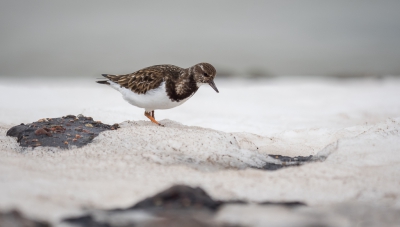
(206, 75)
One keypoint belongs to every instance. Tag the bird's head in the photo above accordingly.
(204, 73)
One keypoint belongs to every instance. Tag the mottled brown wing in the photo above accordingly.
(145, 79)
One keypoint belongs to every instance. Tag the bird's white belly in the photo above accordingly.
(153, 99)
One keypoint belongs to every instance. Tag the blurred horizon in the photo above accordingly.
(258, 38)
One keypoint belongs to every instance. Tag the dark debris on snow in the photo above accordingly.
(62, 132)
(179, 205)
(286, 161)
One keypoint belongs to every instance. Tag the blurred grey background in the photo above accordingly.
(86, 38)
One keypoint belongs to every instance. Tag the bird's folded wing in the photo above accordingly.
(139, 82)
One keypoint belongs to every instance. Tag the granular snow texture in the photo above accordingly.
(354, 127)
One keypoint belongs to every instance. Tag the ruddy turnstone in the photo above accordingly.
(161, 86)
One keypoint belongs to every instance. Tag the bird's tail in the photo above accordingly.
(104, 81)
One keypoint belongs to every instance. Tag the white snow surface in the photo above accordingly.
(209, 142)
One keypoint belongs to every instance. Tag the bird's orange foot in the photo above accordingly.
(148, 115)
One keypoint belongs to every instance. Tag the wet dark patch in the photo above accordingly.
(86, 220)
(286, 161)
(14, 218)
(60, 132)
(285, 204)
(179, 205)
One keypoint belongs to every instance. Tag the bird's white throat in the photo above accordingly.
(199, 84)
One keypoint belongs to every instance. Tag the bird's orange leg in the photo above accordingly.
(148, 115)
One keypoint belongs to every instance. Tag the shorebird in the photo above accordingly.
(161, 86)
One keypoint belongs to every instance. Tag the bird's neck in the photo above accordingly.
(188, 75)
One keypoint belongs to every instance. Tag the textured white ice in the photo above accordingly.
(356, 123)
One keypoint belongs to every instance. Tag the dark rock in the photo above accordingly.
(59, 132)
(17, 131)
(70, 116)
(179, 197)
(15, 219)
(43, 131)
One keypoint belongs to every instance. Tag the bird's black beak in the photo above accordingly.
(211, 83)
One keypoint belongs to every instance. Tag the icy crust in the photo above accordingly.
(207, 149)
(374, 145)
(318, 142)
(175, 143)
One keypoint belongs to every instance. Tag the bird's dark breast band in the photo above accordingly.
(181, 89)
